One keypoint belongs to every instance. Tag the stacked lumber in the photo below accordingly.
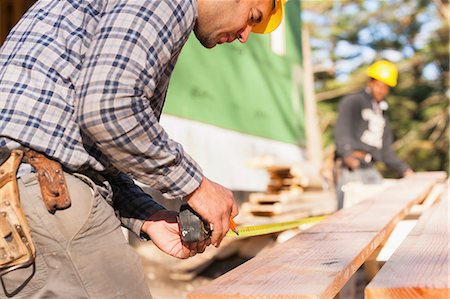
(288, 196)
(282, 179)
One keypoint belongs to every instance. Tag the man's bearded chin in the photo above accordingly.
(204, 39)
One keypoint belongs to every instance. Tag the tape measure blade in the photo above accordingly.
(263, 229)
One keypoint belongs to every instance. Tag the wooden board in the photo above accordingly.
(356, 191)
(312, 208)
(188, 269)
(398, 235)
(435, 193)
(385, 208)
(248, 219)
(286, 196)
(282, 184)
(292, 196)
(420, 266)
(318, 196)
(318, 262)
(306, 266)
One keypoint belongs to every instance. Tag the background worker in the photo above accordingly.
(84, 83)
(362, 134)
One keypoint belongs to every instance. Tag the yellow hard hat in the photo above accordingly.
(384, 71)
(273, 21)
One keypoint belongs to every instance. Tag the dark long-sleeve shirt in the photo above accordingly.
(363, 126)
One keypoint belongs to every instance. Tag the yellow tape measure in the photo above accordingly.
(263, 229)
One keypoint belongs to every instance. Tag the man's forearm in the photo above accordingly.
(133, 206)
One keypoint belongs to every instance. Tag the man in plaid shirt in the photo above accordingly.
(84, 83)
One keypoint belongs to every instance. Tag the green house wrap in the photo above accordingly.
(237, 102)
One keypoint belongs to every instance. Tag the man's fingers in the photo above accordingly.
(192, 249)
(201, 246)
(192, 246)
(185, 251)
(216, 236)
(225, 226)
(234, 210)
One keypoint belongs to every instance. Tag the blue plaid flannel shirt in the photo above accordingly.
(85, 82)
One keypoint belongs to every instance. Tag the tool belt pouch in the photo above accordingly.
(16, 247)
(51, 180)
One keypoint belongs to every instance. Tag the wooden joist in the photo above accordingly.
(313, 203)
(312, 208)
(282, 197)
(318, 262)
(419, 268)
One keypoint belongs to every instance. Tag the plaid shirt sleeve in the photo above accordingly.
(123, 83)
(131, 203)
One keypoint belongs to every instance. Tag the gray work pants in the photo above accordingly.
(81, 251)
(364, 175)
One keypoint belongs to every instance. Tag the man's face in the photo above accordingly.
(222, 21)
(379, 90)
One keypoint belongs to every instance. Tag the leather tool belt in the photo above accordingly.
(338, 163)
(16, 247)
(51, 180)
(366, 157)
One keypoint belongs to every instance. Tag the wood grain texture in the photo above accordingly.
(420, 267)
(318, 262)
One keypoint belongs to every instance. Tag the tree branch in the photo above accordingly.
(443, 8)
(334, 93)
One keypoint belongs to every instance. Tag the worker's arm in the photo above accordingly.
(132, 205)
(344, 138)
(120, 100)
(121, 95)
(122, 87)
(389, 157)
(141, 214)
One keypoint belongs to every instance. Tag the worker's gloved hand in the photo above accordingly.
(164, 231)
(351, 162)
(215, 204)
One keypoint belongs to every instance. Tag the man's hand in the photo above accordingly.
(408, 172)
(351, 163)
(164, 231)
(216, 205)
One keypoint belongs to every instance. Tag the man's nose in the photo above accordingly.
(245, 34)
